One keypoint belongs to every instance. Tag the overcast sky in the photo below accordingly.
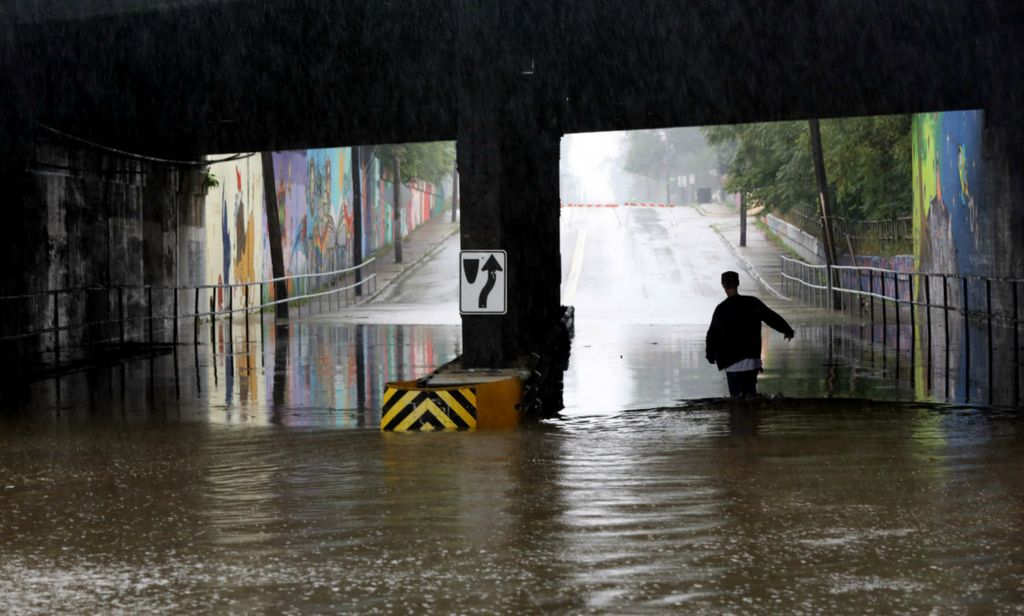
(588, 159)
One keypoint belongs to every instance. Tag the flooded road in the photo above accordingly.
(249, 475)
(704, 508)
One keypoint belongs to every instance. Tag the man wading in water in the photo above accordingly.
(734, 338)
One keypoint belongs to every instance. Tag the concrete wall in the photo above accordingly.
(91, 221)
(803, 243)
(967, 204)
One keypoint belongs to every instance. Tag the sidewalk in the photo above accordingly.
(417, 247)
(760, 256)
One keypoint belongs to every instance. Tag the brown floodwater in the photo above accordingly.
(273, 491)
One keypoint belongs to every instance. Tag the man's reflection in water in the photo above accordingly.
(744, 420)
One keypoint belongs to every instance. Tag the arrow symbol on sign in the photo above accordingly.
(492, 267)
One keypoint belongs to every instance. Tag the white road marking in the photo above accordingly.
(574, 271)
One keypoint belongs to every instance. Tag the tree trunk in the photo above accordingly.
(396, 223)
(826, 217)
(274, 234)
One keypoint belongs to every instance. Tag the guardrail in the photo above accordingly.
(81, 317)
(914, 298)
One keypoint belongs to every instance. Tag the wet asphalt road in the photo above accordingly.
(252, 477)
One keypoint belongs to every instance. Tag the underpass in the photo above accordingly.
(244, 470)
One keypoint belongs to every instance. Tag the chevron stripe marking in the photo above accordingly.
(469, 394)
(402, 406)
(460, 406)
(389, 393)
(466, 417)
(440, 415)
(411, 418)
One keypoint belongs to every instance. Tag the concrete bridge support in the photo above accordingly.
(508, 153)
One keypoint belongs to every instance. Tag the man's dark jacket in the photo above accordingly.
(735, 332)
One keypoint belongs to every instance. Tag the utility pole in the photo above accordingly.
(357, 219)
(455, 188)
(826, 217)
(743, 219)
(396, 223)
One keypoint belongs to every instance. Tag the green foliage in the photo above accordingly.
(771, 162)
(867, 164)
(870, 161)
(430, 161)
(661, 153)
(209, 180)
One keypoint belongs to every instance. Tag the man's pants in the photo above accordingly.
(742, 383)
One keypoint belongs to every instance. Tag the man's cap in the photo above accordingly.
(730, 279)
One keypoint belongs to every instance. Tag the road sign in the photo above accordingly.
(483, 282)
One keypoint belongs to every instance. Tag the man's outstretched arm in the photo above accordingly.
(775, 321)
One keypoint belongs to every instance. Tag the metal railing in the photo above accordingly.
(926, 302)
(892, 229)
(51, 323)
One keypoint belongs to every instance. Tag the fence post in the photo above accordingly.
(261, 309)
(860, 298)
(1016, 346)
(967, 343)
(885, 317)
(896, 295)
(928, 320)
(246, 290)
(913, 316)
(988, 311)
(56, 327)
(871, 290)
(175, 291)
(149, 311)
(928, 309)
(195, 320)
(120, 310)
(945, 326)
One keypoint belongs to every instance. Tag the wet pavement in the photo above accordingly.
(250, 476)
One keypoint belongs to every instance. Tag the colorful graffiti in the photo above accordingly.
(234, 223)
(948, 192)
(316, 210)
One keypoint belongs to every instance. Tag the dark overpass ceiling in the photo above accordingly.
(215, 76)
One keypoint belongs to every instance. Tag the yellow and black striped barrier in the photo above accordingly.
(408, 407)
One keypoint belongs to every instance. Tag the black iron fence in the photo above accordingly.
(958, 318)
(61, 325)
(888, 235)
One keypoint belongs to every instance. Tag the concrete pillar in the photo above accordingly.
(508, 179)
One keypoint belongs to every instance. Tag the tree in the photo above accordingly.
(429, 161)
(663, 153)
(770, 163)
(867, 162)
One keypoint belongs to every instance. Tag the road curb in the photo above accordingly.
(749, 266)
(409, 267)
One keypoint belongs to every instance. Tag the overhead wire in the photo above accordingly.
(144, 157)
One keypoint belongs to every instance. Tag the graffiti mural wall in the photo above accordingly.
(316, 209)
(235, 225)
(949, 196)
